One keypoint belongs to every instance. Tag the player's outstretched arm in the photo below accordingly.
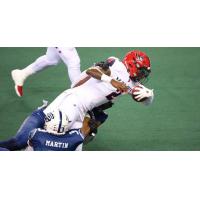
(104, 75)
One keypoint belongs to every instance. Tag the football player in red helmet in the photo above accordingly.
(138, 65)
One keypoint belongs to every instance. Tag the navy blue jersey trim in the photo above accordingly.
(60, 122)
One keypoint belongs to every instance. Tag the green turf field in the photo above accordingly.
(171, 123)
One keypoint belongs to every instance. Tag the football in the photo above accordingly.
(136, 89)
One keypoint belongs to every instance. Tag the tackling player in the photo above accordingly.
(53, 57)
(98, 85)
(55, 136)
(54, 122)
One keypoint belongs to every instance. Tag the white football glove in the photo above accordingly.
(142, 92)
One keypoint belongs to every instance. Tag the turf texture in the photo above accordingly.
(171, 123)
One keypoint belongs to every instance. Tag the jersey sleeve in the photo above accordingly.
(111, 60)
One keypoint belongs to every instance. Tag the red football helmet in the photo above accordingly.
(137, 64)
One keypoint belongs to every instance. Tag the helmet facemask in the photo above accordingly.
(141, 75)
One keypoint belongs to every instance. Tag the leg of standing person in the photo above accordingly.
(70, 57)
(51, 58)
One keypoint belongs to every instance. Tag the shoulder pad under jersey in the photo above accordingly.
(111, 60)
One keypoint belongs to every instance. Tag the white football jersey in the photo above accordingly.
(76, 102)
(95, 92)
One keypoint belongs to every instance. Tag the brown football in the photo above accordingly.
(135, 89)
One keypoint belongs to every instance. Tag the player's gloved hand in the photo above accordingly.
(119, 85)
(143, 92)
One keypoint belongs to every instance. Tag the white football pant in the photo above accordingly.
(54, 56)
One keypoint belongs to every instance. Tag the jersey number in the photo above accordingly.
(113, 95)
